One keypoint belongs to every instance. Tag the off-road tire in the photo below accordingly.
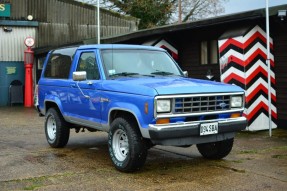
(56, 130)
(127, 147)
(215, 150)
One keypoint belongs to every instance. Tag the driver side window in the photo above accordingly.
(87, 62)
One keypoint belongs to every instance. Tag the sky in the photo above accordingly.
(234, 6)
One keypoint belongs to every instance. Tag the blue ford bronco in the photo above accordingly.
(140, 97)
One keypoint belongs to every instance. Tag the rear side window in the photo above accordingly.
(59, 63)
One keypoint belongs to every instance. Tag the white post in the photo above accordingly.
(98, 18)
(268, 64)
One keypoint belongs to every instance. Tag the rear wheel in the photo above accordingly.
(215, 150)
(127, 148)
(56, 130)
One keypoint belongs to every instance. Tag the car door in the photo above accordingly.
(85, 95)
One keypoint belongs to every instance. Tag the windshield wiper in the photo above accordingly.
(124, 74)
(148, 75)
(163, 73)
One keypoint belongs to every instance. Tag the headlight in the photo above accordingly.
(236, 101)
(163, 106)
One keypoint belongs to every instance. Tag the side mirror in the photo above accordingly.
(185, 73)
(80, 76)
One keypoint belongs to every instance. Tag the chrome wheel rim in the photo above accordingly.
(120, 145)
(51, 128)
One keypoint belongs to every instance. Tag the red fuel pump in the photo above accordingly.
(28, 63)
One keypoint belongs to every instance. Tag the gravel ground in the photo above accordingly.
(257, 162)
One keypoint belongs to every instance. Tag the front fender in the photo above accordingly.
(128, 107)
(141, 117)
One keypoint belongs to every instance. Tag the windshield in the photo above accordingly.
(138, 62)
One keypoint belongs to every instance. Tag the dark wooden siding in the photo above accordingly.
(280, 57)
(190, 61)
(189, 52)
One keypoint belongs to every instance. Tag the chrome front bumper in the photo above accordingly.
(161, 132)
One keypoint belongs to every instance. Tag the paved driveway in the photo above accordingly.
(256, 162)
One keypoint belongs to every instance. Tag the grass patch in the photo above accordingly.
(32, 187)
(37, 182)
(237, 161)
(231, 168)
(278, 148)
(279, 156)
(253, 151)
(34, 183)
(248, 152)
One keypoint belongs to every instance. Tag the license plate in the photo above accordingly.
(208, 128)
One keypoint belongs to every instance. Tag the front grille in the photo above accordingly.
(201, 104)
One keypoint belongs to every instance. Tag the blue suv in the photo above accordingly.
(140, 97)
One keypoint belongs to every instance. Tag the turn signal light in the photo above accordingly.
(146, 108)
(235, 115)
(162, 121)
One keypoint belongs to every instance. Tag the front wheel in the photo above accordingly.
(215, 150)
(127, 148)
(56, 130)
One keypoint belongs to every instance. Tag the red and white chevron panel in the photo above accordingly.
(243, 62)
(165, 45)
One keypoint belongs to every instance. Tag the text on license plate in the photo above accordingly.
(208, 128)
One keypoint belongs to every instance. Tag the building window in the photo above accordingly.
(40, 62)
(209, 52)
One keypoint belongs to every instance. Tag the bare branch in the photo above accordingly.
(160, 12)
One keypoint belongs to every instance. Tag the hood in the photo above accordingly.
(167, 86)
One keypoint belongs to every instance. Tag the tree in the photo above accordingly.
(198, 9)
(150, 12)
(159, 12)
